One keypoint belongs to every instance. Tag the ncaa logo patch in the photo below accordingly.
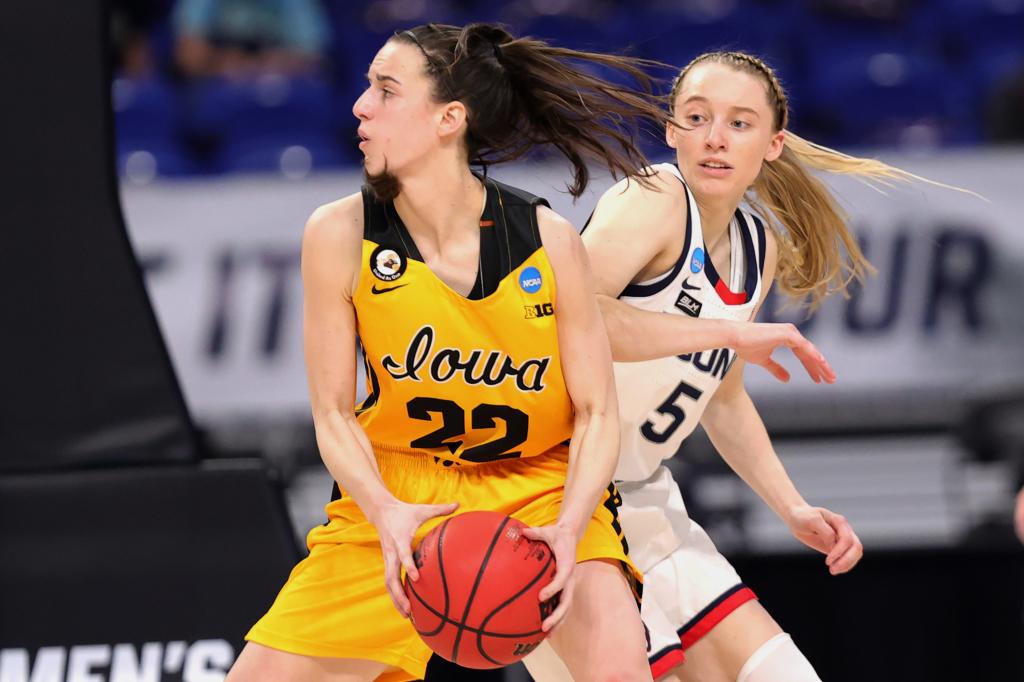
(387, 264)
(697, 262)
(529, 280)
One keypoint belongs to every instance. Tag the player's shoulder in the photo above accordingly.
(335, 223)
(652, 207)
(656, 185)
(562, 243)
(655, 199)
(516, 196)
(549, 220)
(332, 244)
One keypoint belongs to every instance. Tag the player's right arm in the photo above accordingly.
(629, 238)
(633, 236)
(331, 258)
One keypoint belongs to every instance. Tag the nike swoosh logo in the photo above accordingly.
(688, 286)
(375, 290)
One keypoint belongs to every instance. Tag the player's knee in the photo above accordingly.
(778, 660)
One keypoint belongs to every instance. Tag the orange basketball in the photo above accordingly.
(476, 601)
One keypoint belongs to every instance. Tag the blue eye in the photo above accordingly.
(741, 124)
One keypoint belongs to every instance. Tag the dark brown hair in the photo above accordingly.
(521, 94)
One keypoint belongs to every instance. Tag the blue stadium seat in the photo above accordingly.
(881, 97)
(267, 105)
(967, 26)
(682, 32)
(250, 123)
(147, 116)
(686, 30)
(293, 156)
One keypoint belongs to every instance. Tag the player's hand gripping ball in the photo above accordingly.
(476, 601)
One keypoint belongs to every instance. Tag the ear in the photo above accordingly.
(670, 134)
(775, 146)
(452, 118)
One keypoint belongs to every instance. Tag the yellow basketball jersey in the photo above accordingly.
(462, 379)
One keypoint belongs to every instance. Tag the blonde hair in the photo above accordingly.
(811, 263)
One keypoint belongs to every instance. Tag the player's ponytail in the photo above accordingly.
(522, 94)
(818, 255)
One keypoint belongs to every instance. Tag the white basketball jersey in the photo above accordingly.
(661, 401)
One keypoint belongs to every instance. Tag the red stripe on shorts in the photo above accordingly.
(715, 616)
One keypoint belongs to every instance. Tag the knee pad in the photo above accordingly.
(778, 660)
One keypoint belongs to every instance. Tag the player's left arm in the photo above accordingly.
(738, 433)
(587, 367)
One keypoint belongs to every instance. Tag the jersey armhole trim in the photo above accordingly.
(364, 192)
(761, 244)
(652, 288)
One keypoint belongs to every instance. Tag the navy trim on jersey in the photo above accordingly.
(750, 280)
(761, 243)
(508, 232)
(654, 658)
(641, 290)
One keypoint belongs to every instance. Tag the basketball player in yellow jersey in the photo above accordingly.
(485, 352)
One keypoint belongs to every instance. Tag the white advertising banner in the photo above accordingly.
(942, 321)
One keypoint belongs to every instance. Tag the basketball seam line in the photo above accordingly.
(476, 586)
(483, 625)
(475, 631)
(444, 586)
(440, 566)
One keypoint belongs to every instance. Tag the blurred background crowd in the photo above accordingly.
(218, 86)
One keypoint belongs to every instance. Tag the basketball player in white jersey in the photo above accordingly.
(682, 269)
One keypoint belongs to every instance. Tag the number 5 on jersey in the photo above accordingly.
(671, 409)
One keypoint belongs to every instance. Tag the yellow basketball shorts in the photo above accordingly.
(335, 603)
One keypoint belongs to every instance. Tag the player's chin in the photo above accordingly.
(373, 164)
(720, 187)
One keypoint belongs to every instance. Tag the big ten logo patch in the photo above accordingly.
(539, 310)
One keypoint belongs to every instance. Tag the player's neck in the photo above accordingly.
(440, 202)
(715, 217)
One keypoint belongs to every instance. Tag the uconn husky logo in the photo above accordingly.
(477, 367)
